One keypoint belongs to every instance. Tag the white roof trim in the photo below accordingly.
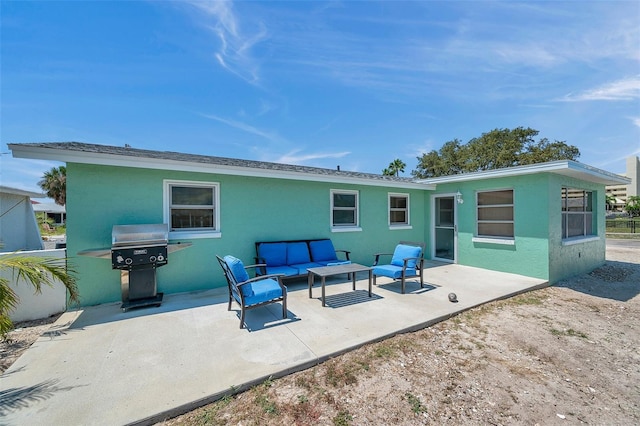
(21, 192)
(563, 167)
(106, 159)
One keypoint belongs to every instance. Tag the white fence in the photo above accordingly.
(32, 306)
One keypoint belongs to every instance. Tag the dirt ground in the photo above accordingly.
(564, 354)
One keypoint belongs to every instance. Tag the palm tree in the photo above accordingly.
(54, 183)
(632, 206)
(395, 167)
(36, 271)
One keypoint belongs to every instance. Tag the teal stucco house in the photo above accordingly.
(544, 220)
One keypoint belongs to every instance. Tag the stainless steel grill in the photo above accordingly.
(137, 251)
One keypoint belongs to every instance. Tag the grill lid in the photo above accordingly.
(140, 235)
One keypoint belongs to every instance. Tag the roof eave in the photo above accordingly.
(21, 192)
(563, 167)
(74, 156)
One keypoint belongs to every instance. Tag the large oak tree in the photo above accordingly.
(496, 149)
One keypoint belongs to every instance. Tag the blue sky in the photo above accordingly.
(349, 83)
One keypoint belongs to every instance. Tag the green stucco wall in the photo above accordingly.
(252, 209)
(569, 260)
(260, 209)
(538, 250)
(529, 255)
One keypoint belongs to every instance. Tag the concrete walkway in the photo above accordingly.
(102, 366)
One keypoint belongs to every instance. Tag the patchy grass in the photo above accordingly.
(415, 403)
(339, 374)
(343, 418)
(568, 332)
(262, 398)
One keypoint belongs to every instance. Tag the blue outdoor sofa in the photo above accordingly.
(294, 258)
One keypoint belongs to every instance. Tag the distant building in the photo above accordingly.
(621, 192)
(53, 211)
(18, 227)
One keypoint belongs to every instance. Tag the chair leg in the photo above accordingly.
(230, 300)
(242, 317)
(284, 308)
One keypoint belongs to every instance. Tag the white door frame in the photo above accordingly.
(455, 226)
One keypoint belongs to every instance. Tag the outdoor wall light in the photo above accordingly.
(459, 197)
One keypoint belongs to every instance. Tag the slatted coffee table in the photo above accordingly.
(327, 271)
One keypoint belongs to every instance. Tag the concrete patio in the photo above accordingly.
(102, 366)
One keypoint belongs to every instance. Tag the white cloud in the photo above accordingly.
(274, 137)
(626, 89)
(294, 157)
(235, 49)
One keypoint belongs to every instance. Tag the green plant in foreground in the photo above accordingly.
(383, 350)
(570, 332)
(36, 271)
(414, 402)
(262, 399)
(338, 373)
(343, 418)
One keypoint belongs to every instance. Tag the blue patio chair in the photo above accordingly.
(407, 260)
(251, 293)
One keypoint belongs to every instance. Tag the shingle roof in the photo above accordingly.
(130, 152)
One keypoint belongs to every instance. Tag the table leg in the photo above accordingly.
(323, 278)
(353, 277)
(370, 280)
(310, 283)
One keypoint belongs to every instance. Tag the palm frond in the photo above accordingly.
(37, 271)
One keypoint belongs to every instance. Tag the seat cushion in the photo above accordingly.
(322, 251)
(302, 267)
(393, 271)
(237, 268)
(274, 254)
(297, 252)
(403, 251)
(261, 291)
(337, 263)
(286, 270)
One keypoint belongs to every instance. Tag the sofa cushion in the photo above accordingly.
(274, 254)
(403, 251)
(237, 268)
(297, 252)
(302, 267)
(322, 251)
(338, 263)
(287, 271)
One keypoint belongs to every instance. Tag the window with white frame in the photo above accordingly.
(398, 209)
(344, 208)
(495, 214)
(577, 213)
(192, 206)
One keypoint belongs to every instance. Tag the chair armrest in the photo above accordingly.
(260, 266)
(257, 265)
(346, 253)
(261, 277)
(418, 260)
(377, 257)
